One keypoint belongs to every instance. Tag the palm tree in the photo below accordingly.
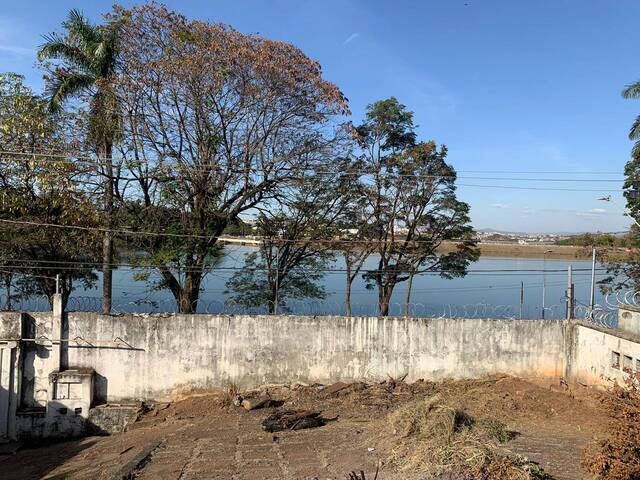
(633, 91)
(86, 58)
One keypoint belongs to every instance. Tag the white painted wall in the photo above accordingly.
(592, 355)
(178, 352)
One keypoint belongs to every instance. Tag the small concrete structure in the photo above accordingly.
(66, 411)
(71, 391)
(40, 396)
(629, 318)
(600, 356)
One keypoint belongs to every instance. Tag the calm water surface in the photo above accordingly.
(483, 288)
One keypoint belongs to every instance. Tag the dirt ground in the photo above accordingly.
(204, 437)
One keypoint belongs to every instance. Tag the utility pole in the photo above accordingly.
(569, 293)
(57, 283)
(275, 306)
(521, 298)
(592, 298)
(544, 279)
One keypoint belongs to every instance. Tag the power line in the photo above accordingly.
(208, 169)
(9, 272)
(91, 159)
(552, 189)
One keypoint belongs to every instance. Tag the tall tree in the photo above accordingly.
(355, 238)
(412, 201)
(625, 275)
(85, 67)
(216, 123)
(281, 270)
(297, 241)
(39, 190)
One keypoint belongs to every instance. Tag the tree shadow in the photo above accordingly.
(38, 458)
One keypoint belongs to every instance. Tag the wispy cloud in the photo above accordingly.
(500, 205)
(351, 38)
(20, 51)
(594, 212)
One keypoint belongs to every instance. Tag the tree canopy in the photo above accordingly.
(412, 200)
(163, 133)
(216, 122)
(39, 189)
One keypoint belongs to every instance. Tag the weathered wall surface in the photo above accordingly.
(600, 357)
(11, 326)
(147, 357)
(629, 318)
(165, 354)
(38, 357)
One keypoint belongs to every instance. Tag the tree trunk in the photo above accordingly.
(8, 279)
(190, 293)
(186, 303)
(271, 307)
(48, 286)
(384, 298)
(107, 241)
(275, 287)
(348, 299)
(408, 298)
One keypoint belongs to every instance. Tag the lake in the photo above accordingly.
(492, 288)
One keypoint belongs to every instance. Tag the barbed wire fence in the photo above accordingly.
(603, 314)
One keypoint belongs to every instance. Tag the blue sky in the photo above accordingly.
(507, 85)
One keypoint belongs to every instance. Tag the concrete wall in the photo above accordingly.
(154, 357)
(39, 357)
(629, 318)
(600, 357)
(163, 355)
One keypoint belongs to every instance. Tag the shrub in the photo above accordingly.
(617, 457)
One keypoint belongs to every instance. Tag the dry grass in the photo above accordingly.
(230, 393)
(439, 439)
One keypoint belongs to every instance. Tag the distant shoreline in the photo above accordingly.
(531, 251)
(490, 249)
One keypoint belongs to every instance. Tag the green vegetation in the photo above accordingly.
(625, 274)
(413, 196)
(176, 129)
(36, 190)
(85, 69)
(601, 240)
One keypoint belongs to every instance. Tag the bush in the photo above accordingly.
(618, 456)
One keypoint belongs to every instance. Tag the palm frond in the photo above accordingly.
(632, 90)
(635, 151)
(57, 48)
(104, 57)
(80, 28)
(65, 85)
(634, 131)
